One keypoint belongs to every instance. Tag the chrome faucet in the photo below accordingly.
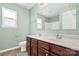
(39, 34)
(58, 36)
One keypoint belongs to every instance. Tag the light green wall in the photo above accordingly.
(9, 37)
(77, 17)
(34, 16)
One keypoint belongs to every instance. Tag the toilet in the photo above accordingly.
(22, 45)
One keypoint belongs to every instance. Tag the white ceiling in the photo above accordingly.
(53, 9)
(47, 9)
(27, 5)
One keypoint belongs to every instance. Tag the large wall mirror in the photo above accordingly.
(57, 16)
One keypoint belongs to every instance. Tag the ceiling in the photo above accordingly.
(27, 5)
(53, 9)
(47, 9)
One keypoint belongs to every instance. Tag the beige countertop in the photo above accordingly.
(66, 42)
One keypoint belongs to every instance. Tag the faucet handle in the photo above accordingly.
(58, 36)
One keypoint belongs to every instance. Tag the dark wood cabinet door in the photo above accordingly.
(33, 50)
(28, 47)
(29, 51)
(33, 47)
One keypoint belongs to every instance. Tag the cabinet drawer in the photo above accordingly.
(44, 45)
(42, 52)
(59, 50)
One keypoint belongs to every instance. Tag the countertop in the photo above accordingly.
(66, 42)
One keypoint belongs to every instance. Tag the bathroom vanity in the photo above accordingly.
(50, 46)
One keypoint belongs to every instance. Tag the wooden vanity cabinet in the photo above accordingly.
(41, 48)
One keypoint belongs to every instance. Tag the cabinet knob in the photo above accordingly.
(47, 54)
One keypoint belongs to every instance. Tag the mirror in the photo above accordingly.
(57, 16)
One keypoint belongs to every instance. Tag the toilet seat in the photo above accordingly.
(22, 45)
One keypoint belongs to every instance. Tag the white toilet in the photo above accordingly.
(22, 45)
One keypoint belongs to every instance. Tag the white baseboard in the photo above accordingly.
(9, 49)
